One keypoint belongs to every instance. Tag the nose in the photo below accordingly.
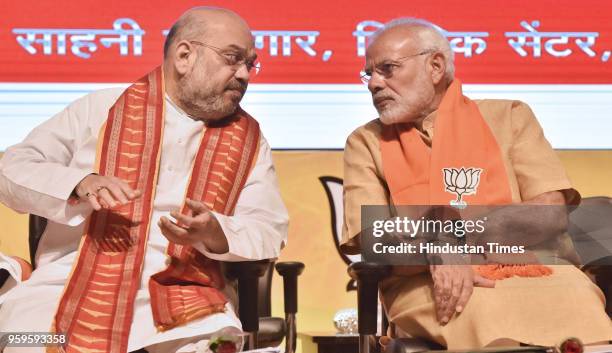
(376, 83)
(242, 73)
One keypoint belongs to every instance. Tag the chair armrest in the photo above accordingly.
(246, 269)
(290, 272)
(26, 271)
(4, 275)
(247, 273)
(411, 345)
(272, 331)
(367, 275)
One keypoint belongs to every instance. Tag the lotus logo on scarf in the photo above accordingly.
(461, 182)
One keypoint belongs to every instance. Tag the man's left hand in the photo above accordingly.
(452, 288)
(201, 227)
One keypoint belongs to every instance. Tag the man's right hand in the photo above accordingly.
(453, 286)
(105, 191)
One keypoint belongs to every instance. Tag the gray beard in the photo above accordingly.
(213, 107)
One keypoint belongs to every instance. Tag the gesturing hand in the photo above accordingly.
(453, 286)
(105, 191)
(201, 226)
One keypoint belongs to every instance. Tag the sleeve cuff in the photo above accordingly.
(572, 196)
(77, 214)
(67, 186)
(228, 230)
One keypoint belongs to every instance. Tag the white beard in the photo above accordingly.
(394, 114)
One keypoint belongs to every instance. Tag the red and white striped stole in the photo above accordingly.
(97, 306)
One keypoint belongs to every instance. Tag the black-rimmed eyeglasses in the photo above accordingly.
(233, 58)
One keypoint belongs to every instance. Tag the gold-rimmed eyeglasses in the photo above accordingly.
(387, 67)
(233, 58)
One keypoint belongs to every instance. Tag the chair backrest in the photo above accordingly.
(36, 228)
(38, 224)
(264, 297)
(333, 189)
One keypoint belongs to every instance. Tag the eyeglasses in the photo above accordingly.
(233, 59)
(386, 68)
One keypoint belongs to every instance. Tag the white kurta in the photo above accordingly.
(38, 175)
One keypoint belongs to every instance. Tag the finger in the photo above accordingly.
(447, 297)
(456, 289)
(438, 290)
(169, 234)
(117, 193)
(384, 342)
(127, 189)
(439, 303)
(444, 293)
(172, 231)
(105, 195)
(174, 228)
(171, 237)
(196, 206)
(103, 203)
(93, 201)
(438, 296)
(466, 293)
(183, 220)
(480, 281)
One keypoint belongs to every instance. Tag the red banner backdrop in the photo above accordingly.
(317, 40)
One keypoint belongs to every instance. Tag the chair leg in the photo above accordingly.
(364, 342)
(367, 275)
(247, 309)
(252, 341)
(247, 273)
(290, 344)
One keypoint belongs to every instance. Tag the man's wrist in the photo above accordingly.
(215, 240)
(73, 195)
(75, 191)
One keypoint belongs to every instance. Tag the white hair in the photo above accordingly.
(431, 38)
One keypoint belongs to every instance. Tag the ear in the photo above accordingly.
(184, 57)
(437, 65)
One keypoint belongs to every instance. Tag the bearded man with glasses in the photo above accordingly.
(427, 138)
(145, 190)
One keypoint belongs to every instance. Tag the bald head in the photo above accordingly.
(199, 22)
(421, 35)
(208, 59)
